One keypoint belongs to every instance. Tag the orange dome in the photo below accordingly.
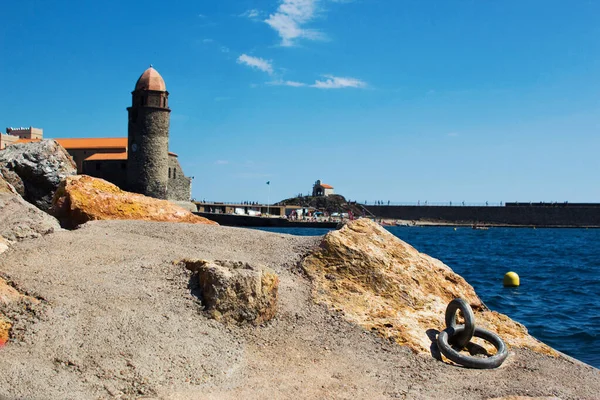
(151, 80)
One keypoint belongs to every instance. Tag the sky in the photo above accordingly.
(400, 100)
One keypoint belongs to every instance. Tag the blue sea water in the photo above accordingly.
(559, 297)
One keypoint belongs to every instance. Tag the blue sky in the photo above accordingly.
(384, 99)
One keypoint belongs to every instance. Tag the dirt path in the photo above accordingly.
(118, 321)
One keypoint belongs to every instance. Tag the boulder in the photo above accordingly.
(82, 198)
(36, 169)
(19, 219)
(233, 291)
(385, 285)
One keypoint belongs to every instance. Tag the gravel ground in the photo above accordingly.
(117, 320)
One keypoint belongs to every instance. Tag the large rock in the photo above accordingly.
(36, 169)
(82, 198)
(385, 285)
(19, 219)
(233, 291)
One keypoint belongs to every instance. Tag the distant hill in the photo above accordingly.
(332, 203)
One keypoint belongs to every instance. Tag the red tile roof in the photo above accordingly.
(326, 186)
(107, 156)
(93, 143)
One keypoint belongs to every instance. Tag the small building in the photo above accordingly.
(322, 189)
(14, 135)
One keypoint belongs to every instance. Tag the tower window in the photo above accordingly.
(169, 173)
(174, 173)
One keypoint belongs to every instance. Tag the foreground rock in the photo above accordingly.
(11, 301)
(235, 291)
(385, 285)
(119, 322)
(36, 169)
(19, 219)
(82, 198)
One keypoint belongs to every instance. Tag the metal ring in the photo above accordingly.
(460, 339)
(468, 361)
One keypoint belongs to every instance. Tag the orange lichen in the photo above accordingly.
(82, 198)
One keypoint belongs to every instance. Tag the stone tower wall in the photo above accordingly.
(148, 164)
(180, 186)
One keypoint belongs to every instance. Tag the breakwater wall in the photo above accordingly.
(246, 220)
(512, 214)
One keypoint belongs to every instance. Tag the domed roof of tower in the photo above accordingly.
(151, 80)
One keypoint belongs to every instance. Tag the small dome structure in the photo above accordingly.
(151, 80)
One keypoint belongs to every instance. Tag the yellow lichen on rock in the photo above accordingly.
(384, 284)
(82, 198)
(9, 296)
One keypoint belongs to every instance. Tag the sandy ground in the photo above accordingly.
(118, 320)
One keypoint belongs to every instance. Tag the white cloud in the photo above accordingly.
(281, 82)
(336, 82)
(289, 18)
(252, 14)
(256, 62)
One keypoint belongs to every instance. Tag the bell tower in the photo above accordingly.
(148, 136)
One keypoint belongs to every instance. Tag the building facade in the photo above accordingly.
(13, 135)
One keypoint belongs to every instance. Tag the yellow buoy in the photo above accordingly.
(511, 279)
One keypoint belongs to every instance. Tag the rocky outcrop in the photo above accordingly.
(36, 169)
(236, 292)
(385, 285)
(19, 219)
(82, 198)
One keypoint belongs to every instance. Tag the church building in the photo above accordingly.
(141, 162)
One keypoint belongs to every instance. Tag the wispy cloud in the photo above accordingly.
(336, 82)
(221, 162)
(224, 49)
(281, 82)
(289, 18)
(252, 14)
(207, 40)
(256, 62)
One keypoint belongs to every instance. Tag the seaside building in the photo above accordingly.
(140, 162)
(322, 189)
(13, 135)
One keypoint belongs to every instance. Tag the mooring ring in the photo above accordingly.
(469, 361)
(460, 339)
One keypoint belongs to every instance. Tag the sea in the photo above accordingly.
(559, 269)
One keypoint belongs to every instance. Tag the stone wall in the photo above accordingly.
(516, 215)
(179, 186)
(114, 171)
(148, 165)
